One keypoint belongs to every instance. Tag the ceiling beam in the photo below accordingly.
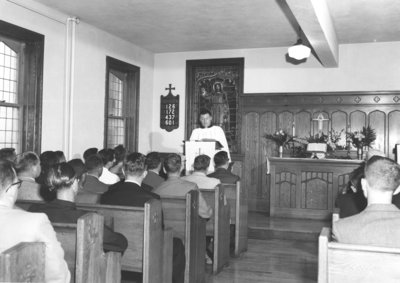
(315, 20)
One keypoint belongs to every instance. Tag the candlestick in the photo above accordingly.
(293, 129)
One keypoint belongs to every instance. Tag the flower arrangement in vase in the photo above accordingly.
(281, 138)
(361, 139)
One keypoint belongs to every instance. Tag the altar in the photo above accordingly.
(307, 188)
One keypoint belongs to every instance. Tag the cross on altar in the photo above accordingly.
(170, 88)
(320, 119)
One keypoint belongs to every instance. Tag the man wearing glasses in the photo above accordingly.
(21, 226)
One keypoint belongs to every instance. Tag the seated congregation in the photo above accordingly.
(53, 190)
(365, 246)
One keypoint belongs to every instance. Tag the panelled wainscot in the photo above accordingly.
(265, 113)
(307, 188)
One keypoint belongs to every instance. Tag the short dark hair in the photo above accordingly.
(153, 160)
(60, 156)
(221, 158)
(26, 161)
(204, 111)
(93, 162)
(135, 164)
(107, 155)
(60, 176)
(173, 163)
(382, 173)
(7, 153)
(120, 153)
(90, 151)
(78, 166)
(7, 174)
(48, 158)
(201, 162)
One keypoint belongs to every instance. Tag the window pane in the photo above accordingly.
(115, 96)
(9, 127)
(116, 132)
(8, 74)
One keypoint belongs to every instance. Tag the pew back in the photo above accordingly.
(149, 247)
(142, 226)
(339, 262)
(25, 262)
(218, 226)
(83, 248)
(237, 199)
(181, 214)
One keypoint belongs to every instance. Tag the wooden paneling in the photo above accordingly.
(251, 138)
(357, 120)
(307, 188)
(347, 111)
(394, 130)
(302, 121)
(377, 121)
(285, 121)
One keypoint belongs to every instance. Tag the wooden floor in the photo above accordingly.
(272, 260)
(279, 250)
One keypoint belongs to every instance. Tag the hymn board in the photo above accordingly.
(169, 111)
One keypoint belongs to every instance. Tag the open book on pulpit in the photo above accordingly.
(196, 148)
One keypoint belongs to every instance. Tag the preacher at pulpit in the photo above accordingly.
(209, 132)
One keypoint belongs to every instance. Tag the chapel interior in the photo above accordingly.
(236, 49)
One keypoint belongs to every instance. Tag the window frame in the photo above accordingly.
(30, 86)
(130, 103)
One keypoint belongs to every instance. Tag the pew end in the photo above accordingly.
(338, 262)
(24, 262)
(83, 247)
(237, 199)
(181, 214)
(218, 226)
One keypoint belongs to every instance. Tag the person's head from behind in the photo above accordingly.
(60, 156)
(94, 165)
(9, 183)
(221, 159)
(153, 161)
(119, 153)
(135, 167)
(382, 178)
(205, 118)
(108, 157)
(28, 165)
(62, 179)
(8, 153)
(201, 163)
(48, 159)
(90, 151)
(79, 168)
(173, 164)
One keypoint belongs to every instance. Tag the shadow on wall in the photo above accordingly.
(158, 138)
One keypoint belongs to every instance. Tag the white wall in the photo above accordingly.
(92, 47)
(362, 67)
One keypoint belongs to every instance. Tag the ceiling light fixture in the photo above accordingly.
(299, 51)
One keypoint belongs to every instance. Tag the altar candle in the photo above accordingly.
(293, 129)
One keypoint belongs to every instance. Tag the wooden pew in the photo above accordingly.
(149, 247)
(218, 226)
(83, 248)
(181, 214)
(339, 262)
(237, 199)
(24, 262)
